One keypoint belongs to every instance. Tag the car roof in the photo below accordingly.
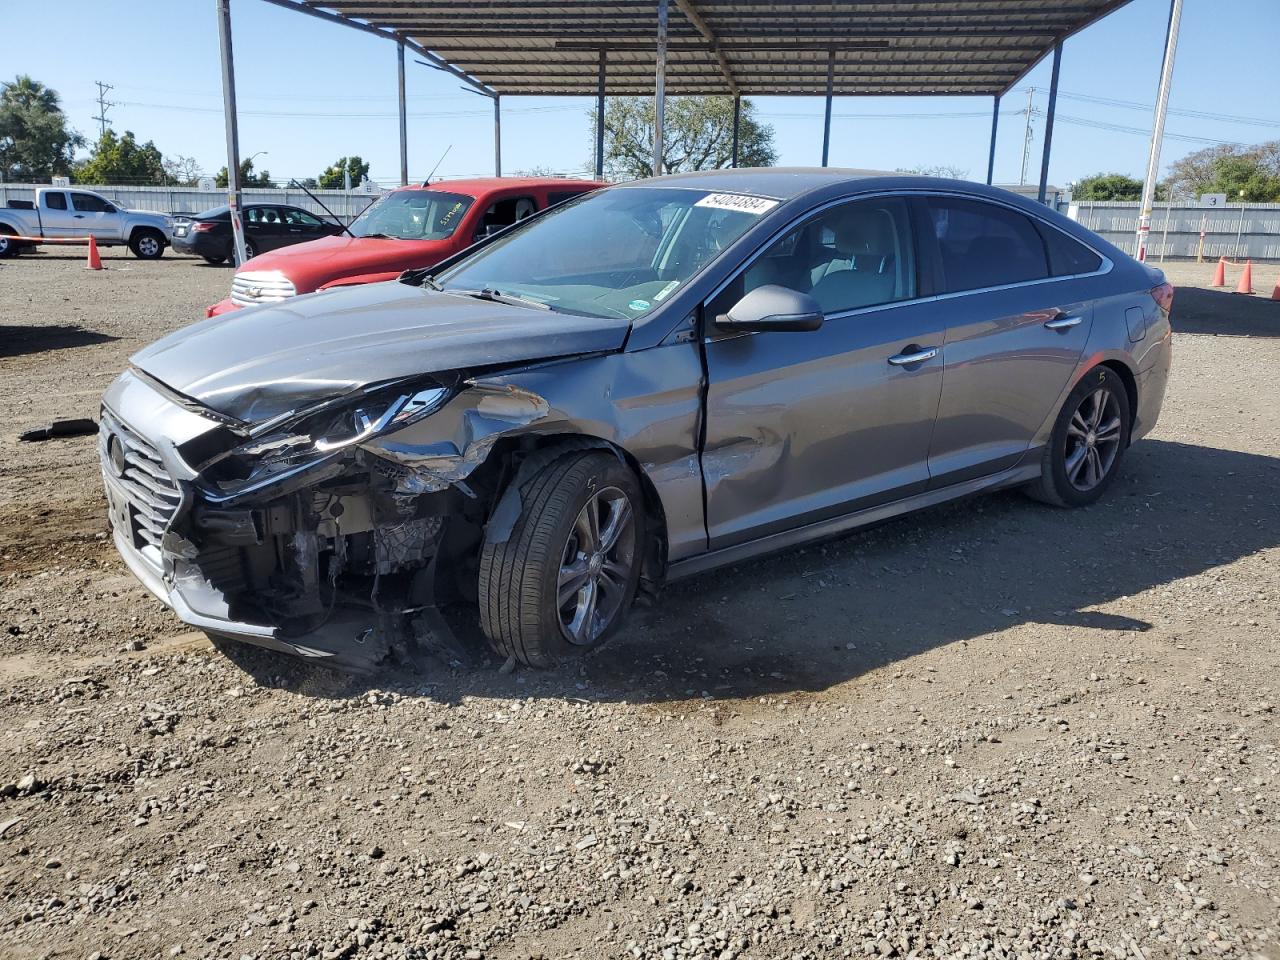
(477, 186)
(781, 183)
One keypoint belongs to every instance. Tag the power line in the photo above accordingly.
(1146, 107)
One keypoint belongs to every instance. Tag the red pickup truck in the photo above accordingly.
(407, 228)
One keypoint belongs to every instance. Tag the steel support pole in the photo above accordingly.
(1157, 129)
(991, 155)
(600, 119)
(497, 135)
(737, 123)
(826, 121)
(660, 89)
(234, 195)
(1048, 120)
(404, 122)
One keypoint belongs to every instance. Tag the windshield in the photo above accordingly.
(413, 215)
(617, 253)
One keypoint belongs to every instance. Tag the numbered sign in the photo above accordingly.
(1213, 199)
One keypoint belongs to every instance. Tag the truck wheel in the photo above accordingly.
(147, 244)
(215, 260)
(8, 248)
(563, 579)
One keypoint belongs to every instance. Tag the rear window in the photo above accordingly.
(985, 245)
(1067, 256)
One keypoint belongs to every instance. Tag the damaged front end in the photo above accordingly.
(331, 531)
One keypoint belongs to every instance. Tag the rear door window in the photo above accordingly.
(1068, 257)
(985, 245)
(55, 201)
(560, 196)
(505, 212)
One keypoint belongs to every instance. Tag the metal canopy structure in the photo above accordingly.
(504, 48)
(746, 47)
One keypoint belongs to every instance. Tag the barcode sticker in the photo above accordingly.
(737, 201)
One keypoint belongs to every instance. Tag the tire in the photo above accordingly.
(1088, 442)
(215, 260)
(147, 244)
(8, 248)
(520, 578)
(249, 251)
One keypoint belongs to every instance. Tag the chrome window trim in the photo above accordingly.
(1104, 268)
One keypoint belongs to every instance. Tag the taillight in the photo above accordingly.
(1163, 296)
(202, 226)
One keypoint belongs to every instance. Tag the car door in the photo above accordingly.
(803, 426)
(91, 214)
(57, 219)
(1014, 334)
(270, 228)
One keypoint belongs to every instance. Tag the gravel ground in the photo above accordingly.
(992, 729)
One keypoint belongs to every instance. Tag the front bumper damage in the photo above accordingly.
(345, 559)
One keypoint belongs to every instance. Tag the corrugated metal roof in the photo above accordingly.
(756, 47)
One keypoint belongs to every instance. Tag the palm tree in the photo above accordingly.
(35, 141)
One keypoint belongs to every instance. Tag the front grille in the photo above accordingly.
(140, 473)
(250, 288)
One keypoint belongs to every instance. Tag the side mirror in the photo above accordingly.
(772, 307)
(109, 209)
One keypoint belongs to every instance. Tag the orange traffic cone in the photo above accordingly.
(95, 262)
(1220, 275)
(1246, 278)
(1275, 294)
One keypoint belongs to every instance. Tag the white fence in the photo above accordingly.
(1245, 231)
(346, 206)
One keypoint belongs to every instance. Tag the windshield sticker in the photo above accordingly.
(639, 304)
(737, 201)
(665, 291)
(448, 217)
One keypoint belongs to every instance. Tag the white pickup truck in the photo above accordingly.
(70, 212)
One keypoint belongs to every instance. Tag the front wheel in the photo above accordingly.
(1088, 442)
(566, 574)
(147, 244)
(215, 260)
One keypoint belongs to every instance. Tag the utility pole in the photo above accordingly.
(1157, 134)
(103, 106)
(1026, 137)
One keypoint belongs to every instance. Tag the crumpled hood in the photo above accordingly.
(256, 363)
(312, 264)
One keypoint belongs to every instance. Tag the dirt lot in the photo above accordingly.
(995, 729)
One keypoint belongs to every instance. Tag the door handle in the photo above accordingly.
(1063, 323)
(79, 216)
(918, 355)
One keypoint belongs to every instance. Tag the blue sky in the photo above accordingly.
(311, 92)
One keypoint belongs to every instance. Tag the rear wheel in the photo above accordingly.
(8, 247)
(215, 260)
(147, 244)
(562, 581)
(1088, 442)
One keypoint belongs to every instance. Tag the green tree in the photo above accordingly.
(1229, 168)
(698, 135)
(944, 170)
(333, 179)
(122, 160)
(35, 141)
(1107, 186)
(247, 177)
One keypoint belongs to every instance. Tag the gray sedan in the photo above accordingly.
(635, 386)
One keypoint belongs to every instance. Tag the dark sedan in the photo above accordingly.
(267, 226)
(637, 385)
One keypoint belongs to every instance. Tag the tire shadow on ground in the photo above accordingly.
(822, 615)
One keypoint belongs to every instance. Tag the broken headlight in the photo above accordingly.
(314, 435)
